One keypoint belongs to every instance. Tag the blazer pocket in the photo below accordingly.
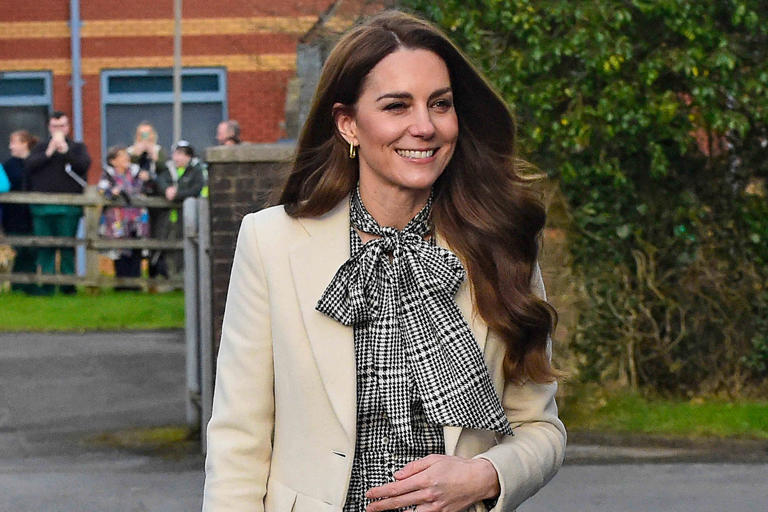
(279, 498)
(305, 503)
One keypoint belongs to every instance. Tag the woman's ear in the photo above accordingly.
(345, 122)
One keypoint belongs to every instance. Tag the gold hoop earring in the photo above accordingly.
(352, 150)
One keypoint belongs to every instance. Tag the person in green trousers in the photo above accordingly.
(57, 164)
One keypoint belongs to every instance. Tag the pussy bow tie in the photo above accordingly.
(402, 288)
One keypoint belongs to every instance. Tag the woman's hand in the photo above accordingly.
(437, 483)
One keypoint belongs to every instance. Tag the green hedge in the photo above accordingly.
(652, 117)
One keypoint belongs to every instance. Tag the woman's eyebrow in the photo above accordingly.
(407, 95)
(395, 95)
(440, 92)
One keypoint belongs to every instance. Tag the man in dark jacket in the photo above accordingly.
(183, 177)
(57, 164)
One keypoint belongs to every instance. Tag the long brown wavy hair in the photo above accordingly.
(483, 207)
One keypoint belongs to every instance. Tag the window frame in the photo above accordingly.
(29, 100)
(146, 98)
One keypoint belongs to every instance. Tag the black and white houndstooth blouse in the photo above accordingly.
(418, 365)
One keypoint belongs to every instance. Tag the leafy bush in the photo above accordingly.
(652, 115)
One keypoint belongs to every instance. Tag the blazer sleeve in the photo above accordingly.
(528, 460)
(241, 426)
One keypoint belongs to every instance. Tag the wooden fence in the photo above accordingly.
(93, 203)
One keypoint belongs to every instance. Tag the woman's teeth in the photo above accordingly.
(408, 153)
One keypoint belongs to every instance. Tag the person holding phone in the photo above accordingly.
(60, 165)
(151, 158)
(148, 155)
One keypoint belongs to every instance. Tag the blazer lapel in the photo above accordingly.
(479, 330)
(314, 262)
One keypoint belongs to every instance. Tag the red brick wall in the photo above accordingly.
(34, 48)
(135, 9)
(92, 123)
(110, 9)
(256, 98)
(37, 11)
(62, 93)
(152, 46)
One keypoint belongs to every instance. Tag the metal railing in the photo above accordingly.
(197, 312)
(92, 203)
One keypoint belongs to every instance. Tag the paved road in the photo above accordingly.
(58, 391)
(92, 381)
(680, 487)
(99, 482)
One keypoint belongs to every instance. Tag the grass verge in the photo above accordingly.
(103, 310)
(590, 408)
(168, 441)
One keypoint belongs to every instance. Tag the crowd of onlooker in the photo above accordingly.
(58, 164)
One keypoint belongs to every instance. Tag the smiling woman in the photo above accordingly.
(385, 344)
(406, 128)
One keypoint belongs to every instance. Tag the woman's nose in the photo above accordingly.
(422, 125)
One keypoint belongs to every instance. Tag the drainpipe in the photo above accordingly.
(77, 70)
(177, 6)
(77, 106)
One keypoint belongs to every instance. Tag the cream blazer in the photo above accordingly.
(282, 433)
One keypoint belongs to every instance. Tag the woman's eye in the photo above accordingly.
(442, 104)
(395, 106)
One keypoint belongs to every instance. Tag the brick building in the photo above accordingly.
(239, 61)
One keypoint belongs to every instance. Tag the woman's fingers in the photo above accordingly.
(397, 488)
(417, 466)
(437, 483)
(406, 479)
(419, 497)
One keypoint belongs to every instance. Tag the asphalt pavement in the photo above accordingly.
(654, 487)
(66, 398)
(62, 399)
